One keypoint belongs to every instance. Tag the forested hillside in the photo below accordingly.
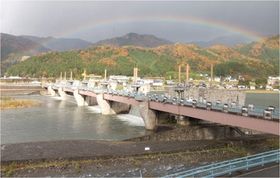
(256, 60)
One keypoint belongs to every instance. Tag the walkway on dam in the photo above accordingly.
(89, 149)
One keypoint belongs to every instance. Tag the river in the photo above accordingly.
(63, 120)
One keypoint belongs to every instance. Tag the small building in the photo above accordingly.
(273, 81)
(170, 82)
(252, 85)
(146, 88)
(93, 80)
(268, 87)
(119, 78)
(14, 77)
(217, 79)
(157, 83)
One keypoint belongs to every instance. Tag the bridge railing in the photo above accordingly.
(230, 166)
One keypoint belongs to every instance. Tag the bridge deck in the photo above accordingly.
(261, 125)
(122, 99)
(87, 93)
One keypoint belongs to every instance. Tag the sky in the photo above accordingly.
(180, 21)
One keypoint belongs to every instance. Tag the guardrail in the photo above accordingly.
(228, 167)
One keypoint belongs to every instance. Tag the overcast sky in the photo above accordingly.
(95, 21)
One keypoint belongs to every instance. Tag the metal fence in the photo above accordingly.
(230, 166)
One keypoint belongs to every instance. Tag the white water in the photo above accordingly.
(131, 119)
(95, 109)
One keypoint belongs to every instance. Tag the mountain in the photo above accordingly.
(60, 44)
(16, 44)
(134, 39)
(13, 48)
(229, 40)
(159, 61)
(17, 48)
(266, 49)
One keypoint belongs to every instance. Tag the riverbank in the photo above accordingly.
(12, 103)
(153, 157)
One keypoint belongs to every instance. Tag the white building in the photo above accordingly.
(158, 83)
(272, 81)
(217, 79)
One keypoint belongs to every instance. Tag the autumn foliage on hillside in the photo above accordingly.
(254, 60)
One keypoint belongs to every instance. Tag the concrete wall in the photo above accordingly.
(119, 108)
(90, 101)
(226, 96)
(111, 107)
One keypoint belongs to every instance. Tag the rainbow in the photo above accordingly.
(208, 23)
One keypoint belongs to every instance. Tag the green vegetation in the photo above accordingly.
(10, 103)
(253, 61)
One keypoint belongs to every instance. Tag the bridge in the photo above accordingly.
(150, 105)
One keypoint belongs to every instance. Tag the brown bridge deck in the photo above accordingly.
(87, 93)
(122, 99)
(261, 125)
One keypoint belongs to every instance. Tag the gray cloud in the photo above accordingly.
(50, 18)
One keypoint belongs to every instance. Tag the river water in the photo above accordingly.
(63, 120)
(263, 99)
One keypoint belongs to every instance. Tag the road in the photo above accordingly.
(270, 171)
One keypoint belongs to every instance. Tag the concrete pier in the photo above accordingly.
(104, 105)
(79, 98)
(148, 115)
(51, 91)
(62, 94)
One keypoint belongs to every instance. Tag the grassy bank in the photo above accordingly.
(11, 103)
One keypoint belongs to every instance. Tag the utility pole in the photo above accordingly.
(60, 76)
(211, 74)
(135, 73)
(179, 73)
(64, 75)
(187, 73)
(84, 74)
(71, 75)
